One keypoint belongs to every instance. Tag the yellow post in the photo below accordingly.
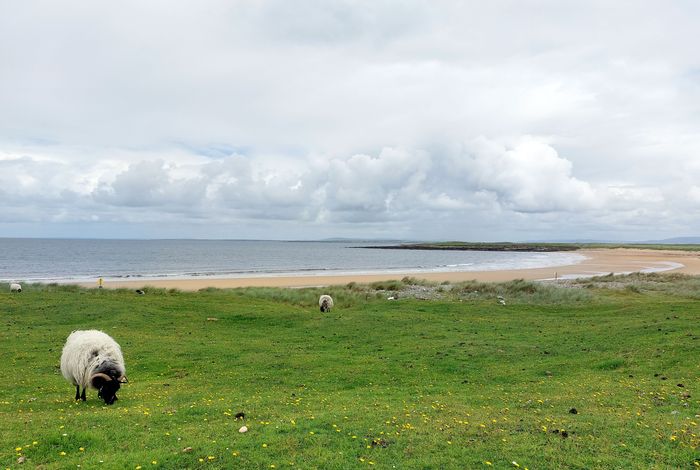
(100, 281)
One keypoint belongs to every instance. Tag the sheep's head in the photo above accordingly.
(325, 307)
(107, 385)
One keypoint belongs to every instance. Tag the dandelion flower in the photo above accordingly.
(62, 453)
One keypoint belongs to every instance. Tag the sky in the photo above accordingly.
(421, 120)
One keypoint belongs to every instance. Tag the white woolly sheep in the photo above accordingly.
(14, 287)
(325, 302)
(92, 358)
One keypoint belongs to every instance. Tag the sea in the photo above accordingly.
(80, 260)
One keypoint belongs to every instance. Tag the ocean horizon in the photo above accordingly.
(80, 260)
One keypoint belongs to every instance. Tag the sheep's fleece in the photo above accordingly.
(88, 352)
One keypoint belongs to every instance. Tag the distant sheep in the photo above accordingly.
(14, 287)
(92, 358)
(325, 302)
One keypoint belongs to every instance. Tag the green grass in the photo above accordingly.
(449, 383)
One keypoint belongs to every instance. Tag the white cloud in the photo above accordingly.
(362, 116)
(530, 177)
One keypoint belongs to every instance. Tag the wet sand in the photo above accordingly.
(597, 262)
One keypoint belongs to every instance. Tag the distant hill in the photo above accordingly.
(678, 241)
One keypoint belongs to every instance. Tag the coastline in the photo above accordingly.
(596, 262)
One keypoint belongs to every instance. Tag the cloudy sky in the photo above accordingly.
(498, 120)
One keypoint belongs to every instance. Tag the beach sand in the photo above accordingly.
(597, 262)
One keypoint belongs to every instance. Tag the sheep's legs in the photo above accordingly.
(78, 396)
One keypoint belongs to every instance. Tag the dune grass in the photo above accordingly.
(588, 377)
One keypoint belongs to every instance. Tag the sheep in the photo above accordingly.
(325, 302)
(92, 358)
(14, 287)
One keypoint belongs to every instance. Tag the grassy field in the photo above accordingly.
(602, 374)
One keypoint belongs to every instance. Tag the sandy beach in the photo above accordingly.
(597, 262)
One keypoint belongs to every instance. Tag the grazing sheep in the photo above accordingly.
(14, 287)
(140, 292)
(325, 302)
(92, 358)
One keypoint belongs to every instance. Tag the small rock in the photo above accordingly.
(187, 449)
(243, 429)
(212, 319)
(21, 460)
(390, 298)
(573, 411)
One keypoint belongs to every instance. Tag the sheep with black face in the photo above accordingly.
(92, 358)
(325, 303)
